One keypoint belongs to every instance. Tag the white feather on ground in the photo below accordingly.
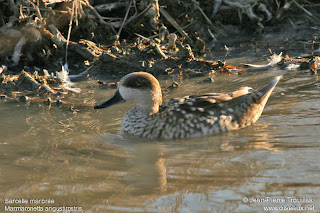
(63, 76)
(273, 61)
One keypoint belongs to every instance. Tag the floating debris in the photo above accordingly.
(112, 85)
(174, 85)
(273, 61)
(311, 63)
(292, 67)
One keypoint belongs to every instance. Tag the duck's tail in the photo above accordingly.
(265, 92)
(252, 107)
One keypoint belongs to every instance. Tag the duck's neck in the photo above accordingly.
(147, 110)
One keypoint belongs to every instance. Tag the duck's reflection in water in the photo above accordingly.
(147, 172)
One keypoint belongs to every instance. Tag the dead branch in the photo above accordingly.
(37, 10)
(108, 7)
(196, 5)
(158, 50)
(98, 16)
(302, 8)
(57, 38)
(175, 24)
(140, 14)
(124, 19)
(69, 32)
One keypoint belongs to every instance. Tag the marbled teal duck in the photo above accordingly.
(190, 116)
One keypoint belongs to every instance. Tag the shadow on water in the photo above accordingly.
(78, 156)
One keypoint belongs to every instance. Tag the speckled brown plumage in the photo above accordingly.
(190, 116)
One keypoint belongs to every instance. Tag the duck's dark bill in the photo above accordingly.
(116, 99)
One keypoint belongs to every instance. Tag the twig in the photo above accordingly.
(37, 9)
(69, 32)
(184, 27)
(135, 7)
(141, 13)
(188, 25)
(124, 19)
(135, 13)
(110, 7)
(97, 15)
(78, 11)
(44, 9)
(112, 18)
(60, 41)
(175, 24)
(141, 36)
(292, 24)
(154, 36)
(159, 51)
(57, 37)
(73, 77)
(21, 13)
(211, 34)
(196, 5)
(302, 8)
(149, 38)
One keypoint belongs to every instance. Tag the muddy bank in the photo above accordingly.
(47, 89)
(48, 33)
(188, 38)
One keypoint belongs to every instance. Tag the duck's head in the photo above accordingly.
(141, 88)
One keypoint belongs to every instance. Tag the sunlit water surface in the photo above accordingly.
(79, 157)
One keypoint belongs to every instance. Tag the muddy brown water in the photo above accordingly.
(80, 158)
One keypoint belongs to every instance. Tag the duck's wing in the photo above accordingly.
(199, 104)
(217, 103)
(220, 97)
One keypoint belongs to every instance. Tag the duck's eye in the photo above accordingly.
(137, 82)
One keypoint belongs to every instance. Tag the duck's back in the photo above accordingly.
(199, 115)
